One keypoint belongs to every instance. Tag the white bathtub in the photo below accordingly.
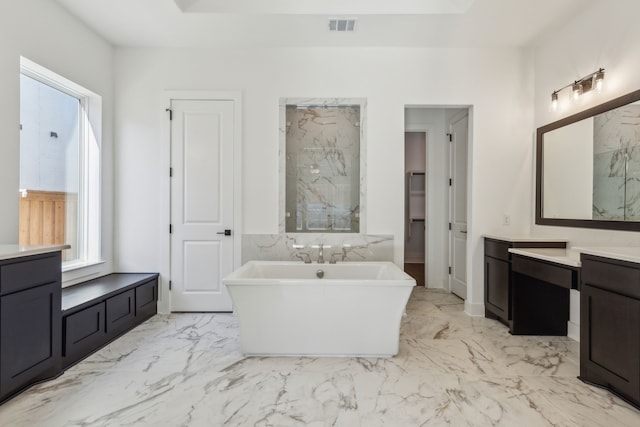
(285, 310)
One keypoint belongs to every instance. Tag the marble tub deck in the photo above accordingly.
(452, 370)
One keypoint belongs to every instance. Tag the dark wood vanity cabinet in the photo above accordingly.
(610, 325)
(497, 285)
(30, 323)
(540, 295)
(498, 274)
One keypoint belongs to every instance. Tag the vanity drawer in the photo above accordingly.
(29, 273)
(615, 276)
(497, 249)
(550, 273)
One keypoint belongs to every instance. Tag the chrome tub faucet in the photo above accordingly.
(321, 249)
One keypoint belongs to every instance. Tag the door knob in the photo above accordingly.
(225, 232)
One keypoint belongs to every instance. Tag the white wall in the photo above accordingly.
(45, 33)
(605, 35)
(497, 83)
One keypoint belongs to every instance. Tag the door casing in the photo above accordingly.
(458, 231)
(164, 301)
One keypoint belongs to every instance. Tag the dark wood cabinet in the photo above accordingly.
(540, 295)
(497, 287)
(498, 274)
(98, 311)
(610, 326)
(30, 323)
(147, 299)
(44, 328)
(120, 312)
(84, 331)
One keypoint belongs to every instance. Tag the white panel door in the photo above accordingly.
(458, 211)
(201, 203)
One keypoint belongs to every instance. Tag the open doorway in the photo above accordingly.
(415, 151)
(435, 196)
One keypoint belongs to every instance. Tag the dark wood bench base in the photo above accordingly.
(96, 312)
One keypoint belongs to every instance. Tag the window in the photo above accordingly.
(59, 165)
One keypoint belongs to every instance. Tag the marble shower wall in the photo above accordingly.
(322, 169)
(279, 247)
(616, 164)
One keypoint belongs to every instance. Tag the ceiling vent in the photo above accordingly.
(342, 25)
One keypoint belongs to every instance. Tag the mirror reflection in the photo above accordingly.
(589, 167)
(322, 156)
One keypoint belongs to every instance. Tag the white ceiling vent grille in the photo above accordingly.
(347, 25)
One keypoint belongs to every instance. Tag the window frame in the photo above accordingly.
(89, 184)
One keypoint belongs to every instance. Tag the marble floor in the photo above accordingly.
(452, 370)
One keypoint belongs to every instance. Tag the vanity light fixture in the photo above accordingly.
(591, 81)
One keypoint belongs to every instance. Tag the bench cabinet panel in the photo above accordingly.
(120, 312)
(147, 299)
(84, 332)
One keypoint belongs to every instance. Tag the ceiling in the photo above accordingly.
(302, 23)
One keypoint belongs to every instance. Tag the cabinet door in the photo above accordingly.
(146, 299)
(120, 313)
(610, 340)
(83, 332)
(497, 286)
(30, 338)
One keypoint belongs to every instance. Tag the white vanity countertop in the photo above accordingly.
(16, 251)
(623, 253)
(570, 257)
(515, 238)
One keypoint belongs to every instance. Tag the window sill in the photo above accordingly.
(79, 265)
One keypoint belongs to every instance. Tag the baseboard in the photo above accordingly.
(573, 331)
(474, 309)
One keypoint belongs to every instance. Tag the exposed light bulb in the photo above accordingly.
(599, 80)
(554, 101)
(576, 91)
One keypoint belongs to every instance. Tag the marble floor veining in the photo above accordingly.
(452, 370)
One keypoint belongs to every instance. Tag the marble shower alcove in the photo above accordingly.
(322, 185)
(322, 165)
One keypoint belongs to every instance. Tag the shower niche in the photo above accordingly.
(322, 142)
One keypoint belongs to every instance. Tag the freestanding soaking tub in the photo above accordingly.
(294, 309)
